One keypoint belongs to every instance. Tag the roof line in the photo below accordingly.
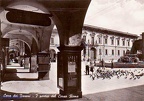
(101, 29)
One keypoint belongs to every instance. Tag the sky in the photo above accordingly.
(121, 15)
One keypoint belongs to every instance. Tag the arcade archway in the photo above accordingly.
(68, 18)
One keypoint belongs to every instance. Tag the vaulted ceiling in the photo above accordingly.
(68, 15)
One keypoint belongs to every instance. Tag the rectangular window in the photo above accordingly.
(106, 52)
(112, 52)
(100, 52)
(99, 40)
(123, 42)
(118, 52)
(92, 41)
(123, 52)
(112, 41)
(128, 43)
(105, 40)
(52, 41)
(117, 42)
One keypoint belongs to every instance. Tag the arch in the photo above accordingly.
(12, 54)
(27, 33)
(14, 47)
(22, 38)
(25, 43)
(16, 33)
(33, 6)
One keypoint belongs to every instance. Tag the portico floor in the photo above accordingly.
(113, 89)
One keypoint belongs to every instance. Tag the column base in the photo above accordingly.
(76, 93)
(43, 75)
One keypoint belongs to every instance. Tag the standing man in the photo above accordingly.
(87, 67)
(102, 63)
(91, 67)
(112, 65)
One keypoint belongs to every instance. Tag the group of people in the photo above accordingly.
(90, 66)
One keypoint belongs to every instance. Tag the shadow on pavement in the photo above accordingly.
(126, 94)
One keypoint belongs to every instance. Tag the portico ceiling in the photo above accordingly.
(20, 37)
(11, 48)
(24, 32)
(68, 16)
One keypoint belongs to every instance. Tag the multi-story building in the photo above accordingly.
(101, 43)
(106, 44)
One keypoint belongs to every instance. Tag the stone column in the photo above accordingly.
(34, 64)
(69, 70)
(7, 55)
(5, 58)
(43, 60)
(26, 63)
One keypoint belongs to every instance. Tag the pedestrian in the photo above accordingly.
(91, 67)
(21, 62)
(87, 67)
(95, 63)
(102, 63)
(112, 65)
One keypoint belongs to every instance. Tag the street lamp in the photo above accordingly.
(88, 49)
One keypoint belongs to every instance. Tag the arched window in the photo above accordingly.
(92, 40)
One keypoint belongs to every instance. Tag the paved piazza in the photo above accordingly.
(89, 86)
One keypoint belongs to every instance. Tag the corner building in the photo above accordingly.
(107, 44)
(101, 43)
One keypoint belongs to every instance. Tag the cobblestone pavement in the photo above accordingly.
(99, 89)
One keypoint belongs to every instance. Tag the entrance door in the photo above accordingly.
(93, 53)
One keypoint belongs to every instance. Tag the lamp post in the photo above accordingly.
(88, 50)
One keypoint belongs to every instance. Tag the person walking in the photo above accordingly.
(87, 67)
(91, 67)
(102, 63)
(112, 64)
(95, 63)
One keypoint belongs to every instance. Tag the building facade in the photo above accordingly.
(106, 44)
(101, 43)
(54, 43)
